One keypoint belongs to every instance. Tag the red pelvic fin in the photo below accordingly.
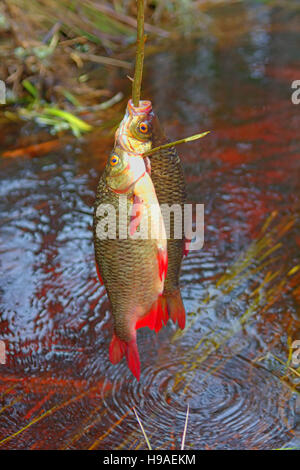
(99, 275)
(133, 358)
(162, 258)
(149, 319)
(176, 309)
(162, 313)
(186, 246)
(117, 349)
(136, 214)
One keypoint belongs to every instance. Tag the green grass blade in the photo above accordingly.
(73, 120)
(30, 88)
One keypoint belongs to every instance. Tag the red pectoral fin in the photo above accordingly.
(162, 258)
(136, 214)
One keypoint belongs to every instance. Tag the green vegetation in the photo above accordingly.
(66, 53)
(59, 57)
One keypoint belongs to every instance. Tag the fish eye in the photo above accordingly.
(143, 127)
(114, 160)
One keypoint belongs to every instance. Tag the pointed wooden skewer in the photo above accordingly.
(176, 142)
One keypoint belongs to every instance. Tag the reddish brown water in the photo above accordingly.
(241, 291)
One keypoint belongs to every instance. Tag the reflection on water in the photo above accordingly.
(58, 389)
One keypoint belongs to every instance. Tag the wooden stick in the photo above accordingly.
(139, 60)
(177, 142)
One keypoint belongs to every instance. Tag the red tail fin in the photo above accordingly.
(133, 358)
(117, 349)
(176, 308)
(162, 313)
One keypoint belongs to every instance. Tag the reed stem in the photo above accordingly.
(176, 142)
(139, 60)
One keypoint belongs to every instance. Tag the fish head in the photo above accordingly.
(136, 131)
(123, 170)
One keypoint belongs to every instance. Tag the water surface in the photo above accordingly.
(241, 291)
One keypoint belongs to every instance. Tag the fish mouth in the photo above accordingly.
(144, 107)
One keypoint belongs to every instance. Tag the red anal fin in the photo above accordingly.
(162, 258)
(117, 349)
(162, 313)
(99, 275)
(176, 309)
(149, 319)
(136, 215)
(133, 358)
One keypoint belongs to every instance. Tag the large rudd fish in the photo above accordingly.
(140, 131)
(132, 270)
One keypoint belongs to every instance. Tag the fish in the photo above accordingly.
(132, 268)
(140, 131)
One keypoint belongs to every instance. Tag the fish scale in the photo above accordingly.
(168, 179)
(116, 256)
(131, 268)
